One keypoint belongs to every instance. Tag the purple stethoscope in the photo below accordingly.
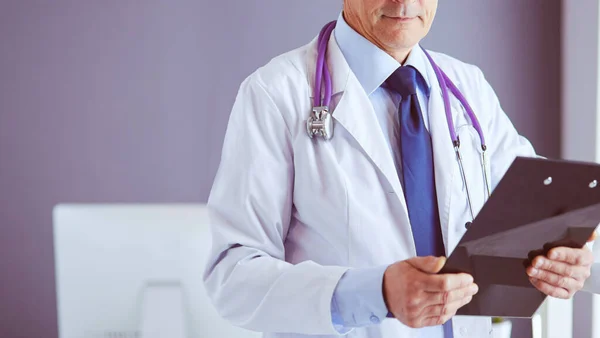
(320, 122)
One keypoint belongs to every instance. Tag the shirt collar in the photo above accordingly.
(371, 65)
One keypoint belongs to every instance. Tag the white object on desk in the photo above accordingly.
(557, 317)
(106, 255)
(502, 330)
(163, 312)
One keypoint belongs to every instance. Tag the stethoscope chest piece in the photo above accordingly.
(320, 123)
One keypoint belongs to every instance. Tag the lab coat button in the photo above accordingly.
(463, 331)
(374, 319)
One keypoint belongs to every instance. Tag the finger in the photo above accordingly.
(572, 256)
(564, 242)
(429, 264)
(560, 268)
(549, 289)
(555, 280)
(435, 320)
(445, 309)
(441, 298)
(446, 282)
(594, 236)
(534, 253)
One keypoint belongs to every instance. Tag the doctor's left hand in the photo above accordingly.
(562, 272)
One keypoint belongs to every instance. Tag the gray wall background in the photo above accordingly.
(127, 101)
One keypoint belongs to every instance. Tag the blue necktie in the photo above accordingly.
(417, 169)
(417, 165)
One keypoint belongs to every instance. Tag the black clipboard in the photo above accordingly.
(539, 204)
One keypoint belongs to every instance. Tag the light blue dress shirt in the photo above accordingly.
(358, 298)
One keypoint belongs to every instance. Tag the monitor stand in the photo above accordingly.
(163, 312)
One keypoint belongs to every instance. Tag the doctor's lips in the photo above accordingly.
(401, 19)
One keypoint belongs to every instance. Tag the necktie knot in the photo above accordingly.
(404, 81)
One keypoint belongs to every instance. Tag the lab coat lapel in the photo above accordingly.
(443, 153)
(355, 113)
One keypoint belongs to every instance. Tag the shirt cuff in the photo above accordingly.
(358, 299)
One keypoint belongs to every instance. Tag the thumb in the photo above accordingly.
(594, 236)
(429, 264)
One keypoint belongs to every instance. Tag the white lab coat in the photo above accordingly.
(291, 214)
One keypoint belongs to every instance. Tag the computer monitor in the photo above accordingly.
(133, 271)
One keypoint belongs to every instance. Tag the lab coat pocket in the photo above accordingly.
(320, 201)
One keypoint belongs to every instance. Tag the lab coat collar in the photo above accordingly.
(339, 72)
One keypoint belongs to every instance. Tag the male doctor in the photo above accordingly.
(315, 237)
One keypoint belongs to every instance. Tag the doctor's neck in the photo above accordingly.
(366, 29)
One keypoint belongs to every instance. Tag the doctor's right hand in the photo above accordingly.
(417, 296)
